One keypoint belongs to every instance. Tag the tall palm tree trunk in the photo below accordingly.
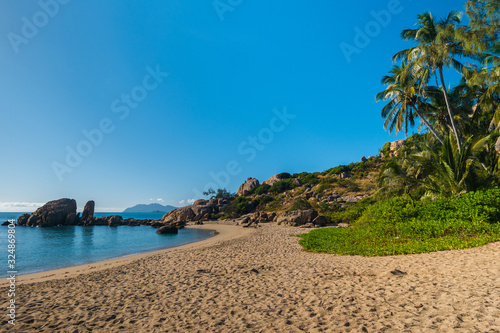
(452, 120)
(429, 126)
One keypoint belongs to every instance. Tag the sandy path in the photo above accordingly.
(261, 281)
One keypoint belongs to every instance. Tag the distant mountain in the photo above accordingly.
(151, 208)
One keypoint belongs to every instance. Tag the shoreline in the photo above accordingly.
(222, 233)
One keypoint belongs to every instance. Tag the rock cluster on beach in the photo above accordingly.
(199, 211)
(53, 213)
(62, 212)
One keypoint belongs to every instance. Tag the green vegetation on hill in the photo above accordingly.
(403, 225)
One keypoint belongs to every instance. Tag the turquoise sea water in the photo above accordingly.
(42, 249)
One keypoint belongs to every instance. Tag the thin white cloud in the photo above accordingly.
(19, 206)
(191, 201)
(159, 200)
(182, 202)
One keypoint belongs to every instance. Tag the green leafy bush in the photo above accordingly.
(386, 150)
(338, 170)
(263, 200)
(353, 187)
(349, 214)
(307, 178)
(282, 186)
(300, 204)
(402, 225)
(240, 205)
(261, 189)
(321, 188)
(284, 175)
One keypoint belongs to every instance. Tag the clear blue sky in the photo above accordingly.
(101, 66)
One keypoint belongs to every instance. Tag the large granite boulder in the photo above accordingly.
(179, 214)
(53, 213)
(296, 218)
(202, 212)
(167, 229)
(88, 211)
(273, 180)
(200, 202)
(114, 220)
(247, 186)
(396, 146)
(320, 221)
(23, 219)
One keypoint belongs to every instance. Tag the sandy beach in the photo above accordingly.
(259, 280)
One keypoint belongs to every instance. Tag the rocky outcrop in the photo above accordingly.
(200, 210)
(23, 219)
(273, 180)
(345, 198)
(247, 186)
(63, 212)
(53, 213)
(253, 219)
(88, 210)
(182, 214)
(395, 146)
(296, 218)
(114, 220)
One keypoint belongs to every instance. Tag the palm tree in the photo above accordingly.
(403, 103)
(437, 49)
(437, 170)
(485, 83)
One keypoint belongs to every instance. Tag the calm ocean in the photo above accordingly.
(42, 249)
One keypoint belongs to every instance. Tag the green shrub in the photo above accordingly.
(262, 189)
(284, 175)
(241, 205)
(386, 150)
(329, 207)
(338, 170)
(282, 186)
(321, 188)
(263, 200)
(307, 178)
(402, 225)
(353, 187)
(350, 214)
(300, 204)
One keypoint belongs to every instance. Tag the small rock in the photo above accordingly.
(397, 272)
(167, 230)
